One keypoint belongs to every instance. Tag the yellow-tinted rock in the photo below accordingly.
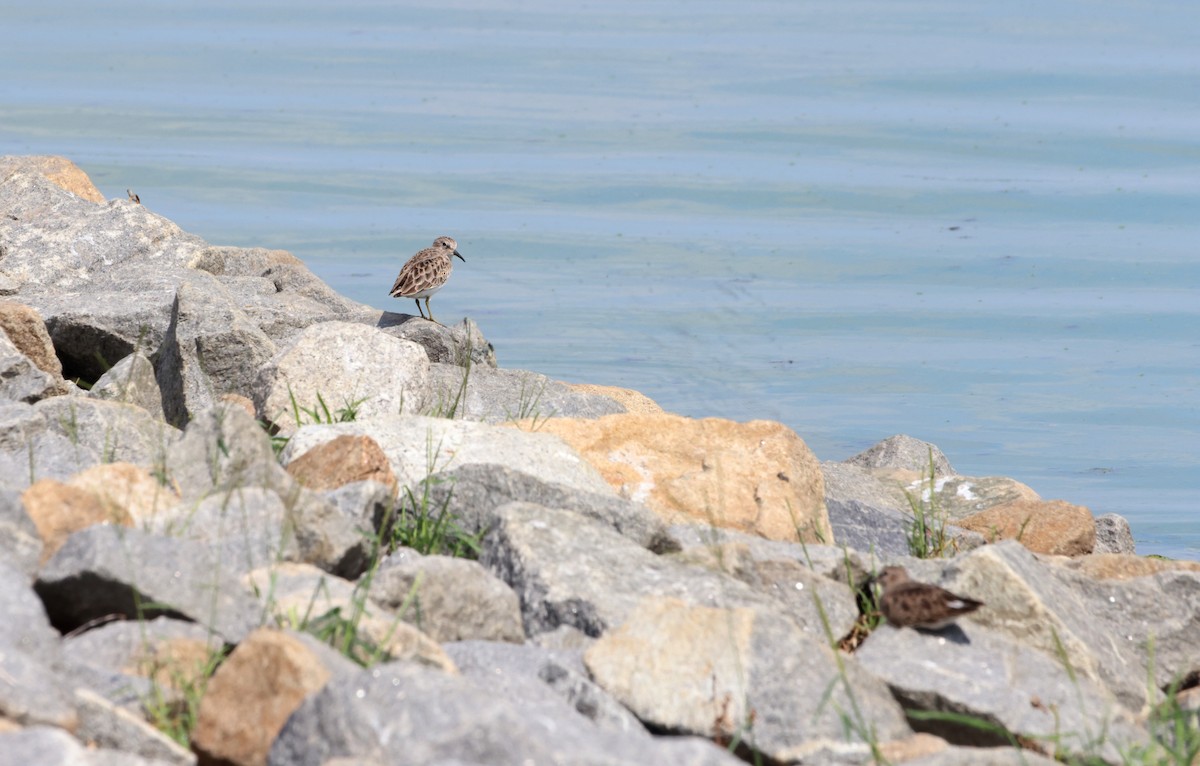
(59, 170)
(58, 510)
(124, 488)
(27, 331)
(1043, 526)
(757, 477)
(341, 461)
(1126, 566)
(251, 695)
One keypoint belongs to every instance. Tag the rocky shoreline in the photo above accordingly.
(245, 520)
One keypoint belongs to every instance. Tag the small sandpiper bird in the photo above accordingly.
(426, 273)
(906, 602)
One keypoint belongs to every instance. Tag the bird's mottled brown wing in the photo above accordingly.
(426, 269)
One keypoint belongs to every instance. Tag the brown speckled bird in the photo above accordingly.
(426, 273)
(906, 602)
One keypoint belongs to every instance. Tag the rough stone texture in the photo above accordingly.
(1043, 526)
(31, 693)
(903, 453)
(25, 628)
(1104, 627)
(168, 652)
(823, 608)
(131, 381)
(418, 447)
(345, 365)
(1113, 535)
(985, 674)
(126, 490)
(47, 746)
(868, 513)
(757, 476)
(956, 497)
(60, 171)
(568, 570)
(497, 396)
(224, 449)
(27, 331)
(711, 672)
(632, 401)
(252, 694)
(107, 570)
(20, 379)
(449, 719)
(105, 725)
(59, 510)
(20, 544)
(211, 347)
(61, 436)
(452, 344)
(527, 671)
(471, 494)
(341, 461)
(1125, 566)
(303, 597)
(450, 599)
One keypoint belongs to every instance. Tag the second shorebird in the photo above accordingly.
(906, 602)
(426, 273)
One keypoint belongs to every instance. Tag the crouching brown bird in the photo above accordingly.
(906, 602)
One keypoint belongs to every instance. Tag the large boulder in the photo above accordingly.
(757, 477)
(341, 371)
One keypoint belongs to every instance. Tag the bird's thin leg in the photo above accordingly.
(431, 319)
(418, 302)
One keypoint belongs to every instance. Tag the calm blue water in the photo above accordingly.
(973, 223)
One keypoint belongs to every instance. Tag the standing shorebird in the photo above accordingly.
(918, 604)
(426, 273)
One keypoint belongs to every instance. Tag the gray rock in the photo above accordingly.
(417, 447)
(869, 514)
(224, 449)
(450, 599)
(25, 627)
(20, 544)
(569, 570)
(346, 366)
(970, 670)
(983, 756)
(131, 646)
(103, 570)
(20, 379)
(131, 381)
(362, 502)
(255, 527)
(454, 344)
(1114, 632)
(112, 727)
(61, 436)
(738, 672)
(46, 746)
(497, 396)
(904, 453)
(524, 672)
(442, 718)
(1113, 535)
(471, 493)
(210, 348)
(31, 693)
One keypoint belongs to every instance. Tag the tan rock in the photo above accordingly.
(344, 460)
(1126, 566)
(174, 664)
(245, 402)
(302, 596)
(58, 510)
(757, 477)
(124, 488)
(251, 695)
(633, 401)
(1043, 526)
(27, 331)
(59, 170)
